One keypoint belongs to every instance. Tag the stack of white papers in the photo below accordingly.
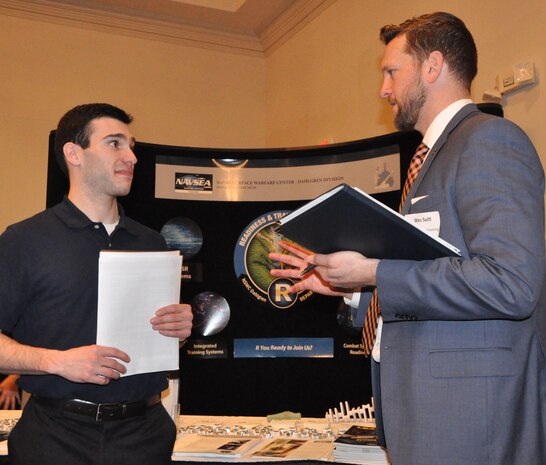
(359, 445)
(132, 286)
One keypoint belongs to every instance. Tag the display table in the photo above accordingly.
(245, 439)
(251, 439)
(8, 418)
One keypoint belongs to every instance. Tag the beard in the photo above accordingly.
(410, 109)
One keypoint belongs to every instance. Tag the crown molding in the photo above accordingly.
(226, 5)
(274, 35)
(290, 22)
(124, 24)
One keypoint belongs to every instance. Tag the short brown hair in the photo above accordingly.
(74, 126)
(443, 32)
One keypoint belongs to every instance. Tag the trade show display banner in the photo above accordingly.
(256, 348)
(269, 180)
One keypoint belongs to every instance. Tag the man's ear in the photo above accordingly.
(72, 154)
(432, 66)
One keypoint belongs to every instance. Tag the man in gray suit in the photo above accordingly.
(459, 368)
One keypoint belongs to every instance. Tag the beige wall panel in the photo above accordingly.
(324, 82)
(178, 95)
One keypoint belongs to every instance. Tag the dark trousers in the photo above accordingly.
(48, 436)
(376, 390)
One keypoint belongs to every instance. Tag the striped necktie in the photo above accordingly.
(369, 330)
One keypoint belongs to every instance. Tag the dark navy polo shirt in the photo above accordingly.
(48, 293)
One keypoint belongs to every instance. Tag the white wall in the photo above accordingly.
(178, 95)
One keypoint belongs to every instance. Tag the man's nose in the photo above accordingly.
(385, 89)
(130, 157)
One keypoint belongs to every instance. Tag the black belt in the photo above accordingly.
(103, 411)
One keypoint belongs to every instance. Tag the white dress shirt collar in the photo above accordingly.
(442, 120)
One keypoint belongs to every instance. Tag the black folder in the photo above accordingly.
(346, 218)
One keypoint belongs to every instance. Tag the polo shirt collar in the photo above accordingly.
(74, 218)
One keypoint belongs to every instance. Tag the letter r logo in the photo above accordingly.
(279, 294)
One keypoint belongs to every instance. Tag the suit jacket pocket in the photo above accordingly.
(426, 204)
(462, 363)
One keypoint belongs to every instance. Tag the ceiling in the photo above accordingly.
(244, 26)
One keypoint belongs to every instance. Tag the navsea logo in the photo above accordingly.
(253, 266)
(193, 182)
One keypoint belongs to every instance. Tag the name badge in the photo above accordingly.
(429, 221)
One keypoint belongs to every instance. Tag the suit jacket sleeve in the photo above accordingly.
(486, 181)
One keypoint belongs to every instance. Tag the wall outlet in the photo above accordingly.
(520, 75)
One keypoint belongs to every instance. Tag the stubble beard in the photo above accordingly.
(103, 185)
(410, 109)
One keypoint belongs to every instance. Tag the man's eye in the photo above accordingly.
(114, 144)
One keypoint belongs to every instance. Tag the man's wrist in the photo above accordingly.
(374, 263)
(46, 362)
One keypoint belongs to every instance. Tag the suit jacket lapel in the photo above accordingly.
(460, 116)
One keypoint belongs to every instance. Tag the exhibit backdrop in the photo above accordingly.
(256, 349)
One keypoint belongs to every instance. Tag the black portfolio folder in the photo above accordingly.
(346, 218)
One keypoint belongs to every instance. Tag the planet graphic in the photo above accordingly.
(183, 234)
(210, 313)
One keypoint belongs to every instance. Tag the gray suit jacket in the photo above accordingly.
(463, 369)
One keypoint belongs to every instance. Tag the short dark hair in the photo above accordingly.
(443, 32)
(74, 126)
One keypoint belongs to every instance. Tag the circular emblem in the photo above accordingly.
(253, 266)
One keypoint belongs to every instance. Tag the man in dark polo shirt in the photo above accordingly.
(80, 410)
